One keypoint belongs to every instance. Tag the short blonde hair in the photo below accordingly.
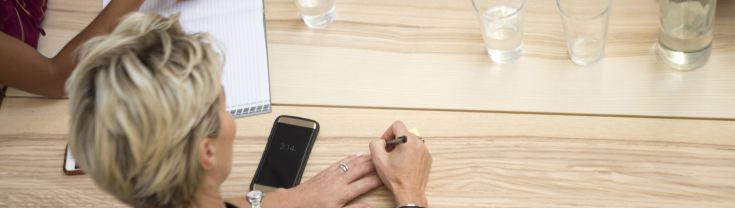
(141, 100)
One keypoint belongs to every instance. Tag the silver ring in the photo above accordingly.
(343, 166)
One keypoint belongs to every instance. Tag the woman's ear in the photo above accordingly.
(206, 154)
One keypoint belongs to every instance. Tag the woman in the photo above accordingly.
(149, 126)
(22, 67)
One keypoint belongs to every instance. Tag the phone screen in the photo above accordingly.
(285, 156)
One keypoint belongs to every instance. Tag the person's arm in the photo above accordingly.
(22, 67)
(404, 169)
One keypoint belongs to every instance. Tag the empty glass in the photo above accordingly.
(501, 22)
(317, 13)
(585, 28)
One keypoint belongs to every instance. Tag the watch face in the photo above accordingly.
(254, 194)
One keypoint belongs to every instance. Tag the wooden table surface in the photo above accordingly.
(541, 132)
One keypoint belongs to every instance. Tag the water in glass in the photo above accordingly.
(317, 13)
(685, 35)
(503, 33)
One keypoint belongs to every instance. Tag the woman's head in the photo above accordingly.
(148, 122)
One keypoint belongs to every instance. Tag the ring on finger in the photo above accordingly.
(343, 166)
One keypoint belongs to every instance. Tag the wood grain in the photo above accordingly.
(467, 172)
(429, 55)
(49, 116)
(527, 134)
(481, 159)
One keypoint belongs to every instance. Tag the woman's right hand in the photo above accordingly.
(404, 168)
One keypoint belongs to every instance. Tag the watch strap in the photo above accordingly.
(255, 197)
(255, 203)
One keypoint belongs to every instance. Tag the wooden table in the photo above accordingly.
(541, 132)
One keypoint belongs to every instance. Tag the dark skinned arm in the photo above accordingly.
(24, 68)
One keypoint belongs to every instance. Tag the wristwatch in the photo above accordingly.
(254, 197)
(410, 206)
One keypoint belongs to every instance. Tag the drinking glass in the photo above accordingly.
(685, 36)
(501, 23)
(585, 28)
(317, 13)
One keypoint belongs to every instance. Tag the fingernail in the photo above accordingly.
(359, 154)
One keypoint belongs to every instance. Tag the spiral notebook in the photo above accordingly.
(239, 27)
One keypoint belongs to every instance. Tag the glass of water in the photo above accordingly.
(585, 28)
(317, 13)
(685, 37)
(501, 23)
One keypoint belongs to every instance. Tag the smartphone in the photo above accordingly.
(70, 165)
(286, 153)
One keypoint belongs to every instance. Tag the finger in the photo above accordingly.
(336, 164)
(394, 130)
(347, 159)
(377, 149)
(359, 167)
(358, 205)
(363, 185)
(413, 140)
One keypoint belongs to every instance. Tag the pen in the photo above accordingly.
(397, 140)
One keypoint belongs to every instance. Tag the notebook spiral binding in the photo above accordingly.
(242, 111)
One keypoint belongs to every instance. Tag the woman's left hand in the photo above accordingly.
(332, 187)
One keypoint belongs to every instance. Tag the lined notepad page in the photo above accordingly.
(239, 27)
